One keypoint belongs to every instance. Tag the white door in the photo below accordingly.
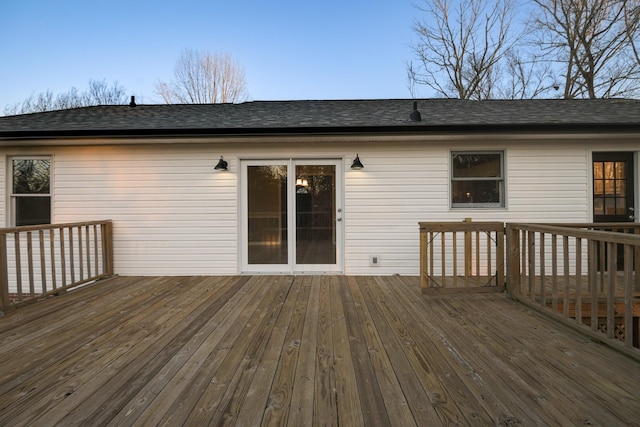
(291, 216)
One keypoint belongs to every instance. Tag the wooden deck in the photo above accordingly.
(304, 350)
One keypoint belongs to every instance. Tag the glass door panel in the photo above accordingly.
(267, 222)
(315, 206)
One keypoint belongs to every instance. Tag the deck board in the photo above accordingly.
(370, 395)
(301, 350)
(280, 393)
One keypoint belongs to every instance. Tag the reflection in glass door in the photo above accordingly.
(292, 216)
(267, 227)
(315, 214)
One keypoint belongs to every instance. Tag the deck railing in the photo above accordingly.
(583, 274)
(461, 256)
(37, 261)
(579, 273)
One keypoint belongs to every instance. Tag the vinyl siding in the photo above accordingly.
(385, 201)
(173, 215)
(548, 185)
(3, 191)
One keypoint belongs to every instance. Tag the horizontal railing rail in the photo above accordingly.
(583, 275)
(38, 261)
(461, 256)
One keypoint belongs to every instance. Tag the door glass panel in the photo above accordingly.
(598, 206)
(610, 206)
(598, 187)
(267, 214)
(315, 198)
(608, 169)
(609, 185)
(597, 170)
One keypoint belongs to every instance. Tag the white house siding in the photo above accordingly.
(406, 185)
(173, 215)
(3, 189)
(548, 184)
(398, 187)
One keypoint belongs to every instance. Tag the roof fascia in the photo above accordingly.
(416, 137)
(403, 129)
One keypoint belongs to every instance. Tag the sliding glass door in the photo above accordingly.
(292, 216)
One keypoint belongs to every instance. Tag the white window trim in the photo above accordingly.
(11, 197)
(502, 179)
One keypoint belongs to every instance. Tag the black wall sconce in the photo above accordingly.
(357, 164)
(222, 165)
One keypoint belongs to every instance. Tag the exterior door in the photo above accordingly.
(292, 216)
(613, 190)
(613, 195)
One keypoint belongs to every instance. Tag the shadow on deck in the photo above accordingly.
(275, 350)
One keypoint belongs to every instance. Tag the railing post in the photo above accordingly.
(468, 266)
(629, 331)
(500, 257)
(4, 274)
(107, 248)
(636, 263)
(423, 260)
(513, 261)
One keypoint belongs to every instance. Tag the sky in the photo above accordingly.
(328, 49)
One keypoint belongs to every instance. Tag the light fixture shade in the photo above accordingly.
(222, 165)
(357, 164)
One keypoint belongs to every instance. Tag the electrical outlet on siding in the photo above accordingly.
(374, 260)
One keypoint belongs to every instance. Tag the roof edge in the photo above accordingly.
(400, 130)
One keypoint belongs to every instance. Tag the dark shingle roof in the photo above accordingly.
(351, 116)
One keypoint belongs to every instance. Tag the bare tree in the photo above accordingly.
(204, 78)
(98, 93)
(593, 44)
(461, 46)
(525, 77)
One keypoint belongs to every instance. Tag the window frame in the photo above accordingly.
(501, 179)
(12, 196)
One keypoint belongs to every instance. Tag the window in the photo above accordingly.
(30, 191)
(477, 180)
